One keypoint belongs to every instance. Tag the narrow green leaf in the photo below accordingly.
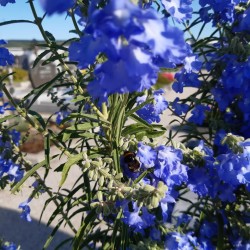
(48, 241)
(38, 117)
(93, 117)
(53, 59)
(82, 127)
(140, 121)
(59, 247)
(116, 228)
(5, 118)
(47, 150)
(16, 21)
(71, 161)
(43, 88)
(39, 57)
(30, 173)
(50, 36)
(133, 129)
(80, 233)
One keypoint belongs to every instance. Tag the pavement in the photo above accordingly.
(32, 236)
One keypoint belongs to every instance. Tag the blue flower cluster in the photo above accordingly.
(221, 176)
(232, 94)
(129, 43)
(151, 112)
(7, 165)
(243, 22)
(218, 177)
(219, 11)
(165, 166)
(180, 241)
(188, 74)
(6, 58)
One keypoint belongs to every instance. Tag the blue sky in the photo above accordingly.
(58, 25)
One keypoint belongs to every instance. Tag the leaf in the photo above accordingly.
(48, 241)
(116, 227)
(82, 127)
(80, 233)
(15, 21)
(43, 88)
(140, 121)
(53, 59)
(133, 129)
(93, 117)
(59, 247)
(30, 173)
(50, 37)
(38, 117)
(39, 57)
(129, 113)
(5, 118)
(47, 151)
(71, 161)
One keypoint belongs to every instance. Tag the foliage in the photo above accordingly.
(133, 171)
(20, 75)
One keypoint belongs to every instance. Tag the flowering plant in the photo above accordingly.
(135, 172)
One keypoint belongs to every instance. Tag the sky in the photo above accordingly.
(58, 25)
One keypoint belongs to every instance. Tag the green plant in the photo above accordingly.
(19, 75)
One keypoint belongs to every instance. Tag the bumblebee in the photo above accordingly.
(132, 163)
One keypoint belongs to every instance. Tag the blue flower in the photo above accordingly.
(147, 155)
(25, 210)
(151, 112)
(155, 234)
(179, 241)
(15, 136)
(60, 115)
(169, 168)
(232, 168)
(226, 192)
(198, 114)
(243, 24)
(6, 58)
(183, 219)
(4, 2)
(14, 172)
(199, 181)
(180, 10)
(138, 219)
(132, 72)
(131, 39)
(219, 11)
(179, 108)
(185, 79)
(8, 246)
(56, 6)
